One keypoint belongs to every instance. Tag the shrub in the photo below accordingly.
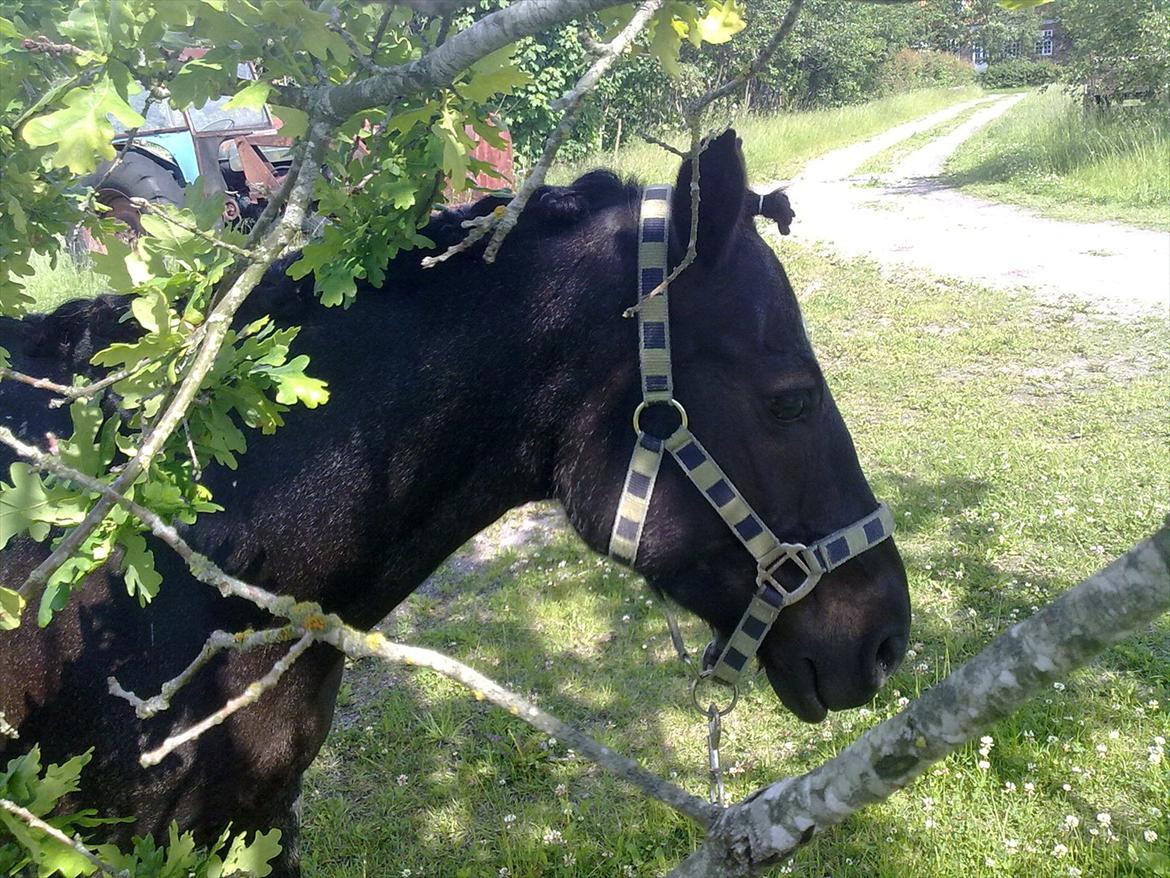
(1019, 72)
(909, 69)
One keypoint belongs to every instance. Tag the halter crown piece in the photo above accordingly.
(812, 560)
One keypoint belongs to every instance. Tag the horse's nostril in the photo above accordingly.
(888, 656)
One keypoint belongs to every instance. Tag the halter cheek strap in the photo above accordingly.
(812, 560)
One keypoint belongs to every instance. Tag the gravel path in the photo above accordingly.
(911, 218)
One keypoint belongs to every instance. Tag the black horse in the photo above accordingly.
(458, 393)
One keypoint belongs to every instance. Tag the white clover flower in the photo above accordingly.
(401, 780)
(983, 764)
(553, 836)
(987, 741)
(1150, 836)
(1059, 850)
(509, 819)
(504, 872)
(1072, 821)
(1104, 818)
(1074, 872)
(561, 789)
(1058, 686)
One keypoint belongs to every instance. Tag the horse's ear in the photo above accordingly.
(722, 181)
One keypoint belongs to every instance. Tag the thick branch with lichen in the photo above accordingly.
(1103, 610)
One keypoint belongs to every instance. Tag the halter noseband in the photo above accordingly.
(812, 560)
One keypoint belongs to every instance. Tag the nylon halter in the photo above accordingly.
(812, 560)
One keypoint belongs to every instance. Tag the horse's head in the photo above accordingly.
(745, 372)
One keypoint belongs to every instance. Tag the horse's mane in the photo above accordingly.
(549, 209)
(79, 328)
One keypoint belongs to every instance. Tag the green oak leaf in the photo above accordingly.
(251, 97)
(142, 579)
(250, 858)
(11, 606)
(81, 131)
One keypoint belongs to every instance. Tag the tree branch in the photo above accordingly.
(1104, 609)
(439, 67)
(33, 821)
(250, 695)
(216, 642)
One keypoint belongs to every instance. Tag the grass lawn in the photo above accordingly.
(1048, 154)
(1021, 447)
(777, 146)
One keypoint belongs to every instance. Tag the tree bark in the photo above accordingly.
(1103, 610)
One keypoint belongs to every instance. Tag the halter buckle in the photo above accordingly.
(806, 562)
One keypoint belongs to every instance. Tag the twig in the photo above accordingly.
(694, 115)
(366, 62)
(147, 206)
(444, 29)
(649, 138)
(698, 144)
(757, 64)
(43, 45)
(216, 642)
(33, 821)
(201, 567)
(501, 222)
(250, 695)
(441, 65)
(7, 374)
(66, 394)
(376, 42)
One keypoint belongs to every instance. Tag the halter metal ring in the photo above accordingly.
(695, 696)
(645, 404)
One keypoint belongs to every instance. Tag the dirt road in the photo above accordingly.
(911, 218)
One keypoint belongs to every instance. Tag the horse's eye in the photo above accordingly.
(789, 406)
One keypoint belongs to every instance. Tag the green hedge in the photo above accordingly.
(1019, 72)
(910, 69)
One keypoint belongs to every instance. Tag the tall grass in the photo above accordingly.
(777, 145)
(1047, 152)
(55, 282)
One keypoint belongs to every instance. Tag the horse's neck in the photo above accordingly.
(437, 426)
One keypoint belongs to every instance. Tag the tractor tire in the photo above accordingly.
(135, 176)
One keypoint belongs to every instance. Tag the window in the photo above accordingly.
(978, 54)
(1012, 49)
(1044, 43)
